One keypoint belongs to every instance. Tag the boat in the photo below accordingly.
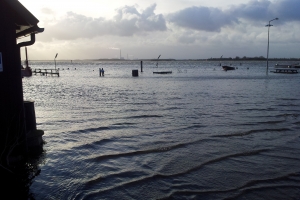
(225, 67)
(163, 72)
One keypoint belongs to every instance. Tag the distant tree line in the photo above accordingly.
(252, 58)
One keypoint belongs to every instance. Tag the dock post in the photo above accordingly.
(141, 66)
(30, 119)
(135, 72)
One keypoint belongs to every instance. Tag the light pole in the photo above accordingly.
(268, 25)
(55, 60)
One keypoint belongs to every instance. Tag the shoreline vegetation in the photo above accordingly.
(261, 58)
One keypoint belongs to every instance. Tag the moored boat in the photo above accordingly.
(227, 68)
(163, 72)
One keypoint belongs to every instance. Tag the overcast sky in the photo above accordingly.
(179, 29)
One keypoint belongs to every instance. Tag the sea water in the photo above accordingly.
(198, 133)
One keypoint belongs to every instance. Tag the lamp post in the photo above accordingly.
(268, 25)
(55, 60)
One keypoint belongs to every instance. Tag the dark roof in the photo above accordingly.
(25, 22)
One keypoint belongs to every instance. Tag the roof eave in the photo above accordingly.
(34, 29)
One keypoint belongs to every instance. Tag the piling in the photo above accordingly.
(135, 72)
(141, 66)
(29, 113)
(34, 138)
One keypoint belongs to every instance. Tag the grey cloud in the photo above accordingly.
(287, 10)
(185, 39)
(253, 10)
(213, 19)
(264, 10)
(127, 22)
(202, 18)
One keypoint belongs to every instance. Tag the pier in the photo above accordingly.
(285, 70)
(46, 72)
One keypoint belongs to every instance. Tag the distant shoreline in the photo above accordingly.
(209, 59)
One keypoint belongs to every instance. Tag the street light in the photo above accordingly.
(55, 60)
(268, 25)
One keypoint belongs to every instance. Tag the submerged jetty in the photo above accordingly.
(286, 69)
(46, 72)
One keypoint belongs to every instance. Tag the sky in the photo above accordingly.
(174, 29)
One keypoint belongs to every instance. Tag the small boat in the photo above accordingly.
(163, 72)
(227, 68)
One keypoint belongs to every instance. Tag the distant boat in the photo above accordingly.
(163, 72)
(227, 68)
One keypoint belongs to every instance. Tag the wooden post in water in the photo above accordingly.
(141, 66)
(26, 62)
(135, 72)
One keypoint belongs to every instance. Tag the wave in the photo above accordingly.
(252, 132)
(271, 122)
(196, 126)
(148, 178)
(257, 109)
(271, 183)
(288, 99)
(297, 123)
(134, 153)
(88, 130)
(124, 123)
(144, 116)
(172, 108)
(251, 185)
(141, 152)
(101, 128)
(265, 122)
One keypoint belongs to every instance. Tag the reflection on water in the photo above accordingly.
(16, 181)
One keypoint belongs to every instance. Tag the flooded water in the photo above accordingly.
(198, 133)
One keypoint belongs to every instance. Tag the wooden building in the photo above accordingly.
(15, 22)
